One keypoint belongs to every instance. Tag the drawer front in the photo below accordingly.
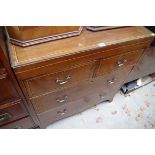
(11, 113)
(72, 108)
(70, 95)
(52, 100)
(24, 123)
(7, 90)
(50, 82)
(68, 109)
(118, 62)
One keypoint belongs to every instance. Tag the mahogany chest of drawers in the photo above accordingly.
(64, 77)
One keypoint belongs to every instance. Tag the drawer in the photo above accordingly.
(70, 95)
(52, 100)
(47, 83)
(66, 110)
(118, 62)
(83, 103)
(24, 123)
(7, 90)
(11, 113)
(88, 100)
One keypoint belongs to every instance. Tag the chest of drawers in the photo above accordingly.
(64, 77)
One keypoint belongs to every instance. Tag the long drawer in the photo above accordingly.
(104, 85)
(12, 112)
(71, 108)
(68, 109)
(46, 83)
(118, 62)
(24, 123)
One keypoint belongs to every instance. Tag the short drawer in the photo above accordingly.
(118, 62)
(71, 94)
(24, 123)
(47, 83)
(12, 112)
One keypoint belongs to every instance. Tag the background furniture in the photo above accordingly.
(13, 112)
(67, 76)
(31, 35)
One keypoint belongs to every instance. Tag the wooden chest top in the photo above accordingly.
(86, 41)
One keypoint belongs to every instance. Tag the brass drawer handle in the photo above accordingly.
(62, 100)
(62, 82)
(61, 113)
(112, 81)
(5, 117)
(121, 63)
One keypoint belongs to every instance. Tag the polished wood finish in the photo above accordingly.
(71, 94)
(97, 62)
(118, 62)
(145, 66)
(78, 46)
(102, 28)
(7, 89)
(24, 123)
(49, 82)
(25, 33)
(12, 100)
(30, 35)
(13, 112)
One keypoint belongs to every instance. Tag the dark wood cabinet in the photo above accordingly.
(12, 100)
